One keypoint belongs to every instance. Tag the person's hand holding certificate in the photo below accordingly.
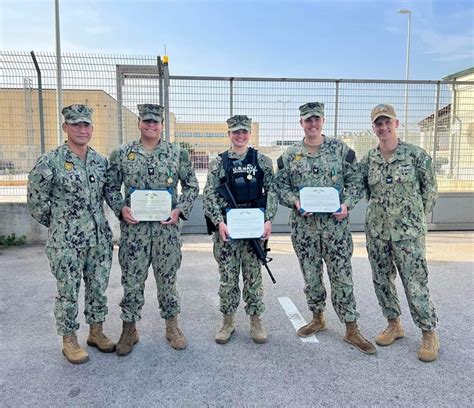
(319, 200)
(150, 205)
(245, 223)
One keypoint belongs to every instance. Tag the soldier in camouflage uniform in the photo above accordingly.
(401, 187)
(319, 161)
(150, 163)
(249, 175)
(65, 194)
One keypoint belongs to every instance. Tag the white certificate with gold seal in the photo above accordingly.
(319, 200)
(150, 205)
(245, 223)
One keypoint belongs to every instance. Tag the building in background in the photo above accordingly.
(451, 142)
(20, 125)
(461, 142)
(204, 141)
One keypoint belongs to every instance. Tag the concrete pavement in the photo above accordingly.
(283, 372)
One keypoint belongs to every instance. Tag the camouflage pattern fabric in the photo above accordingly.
(150, 242)
(408, 257)
(238, 122)
(231, 257)
(67, 266)
(400, 192)
(151, 111)
(237, 254)
(312, 109)
(137, 252)
(77, 113)
(320, 236)
(65, 194)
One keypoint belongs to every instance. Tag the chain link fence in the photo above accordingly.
(436, 115)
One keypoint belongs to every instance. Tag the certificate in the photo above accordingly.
(319, 199)
(150, 205)
(245, 223)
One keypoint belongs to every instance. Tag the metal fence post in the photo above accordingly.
(336, 109)
(435, 133)
(119, 84)
(453, 143)
(59, 81)
(159, 62)
(435, 123)
(231, 96)
(166, 77)
(40, 102)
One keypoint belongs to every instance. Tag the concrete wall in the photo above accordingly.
(453, 211)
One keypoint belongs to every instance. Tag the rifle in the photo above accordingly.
(257, 249)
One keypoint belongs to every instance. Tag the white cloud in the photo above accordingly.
(447, 34)
(448, 47)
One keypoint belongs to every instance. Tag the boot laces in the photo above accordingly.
(126, 334)
(73, 344)
(427, 341)
(357, 334)
(175, 331)
(100, 335)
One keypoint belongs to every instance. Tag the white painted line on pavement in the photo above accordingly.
(295, 318)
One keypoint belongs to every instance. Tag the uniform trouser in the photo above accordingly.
(68, 265)
(231, 257)
(136, 253)
(316, 239)
(408, 257)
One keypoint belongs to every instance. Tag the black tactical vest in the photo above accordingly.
(245, 178)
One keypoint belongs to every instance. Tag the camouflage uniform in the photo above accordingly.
(150, 242)
(320, 236)
(65, 194)
(400, 192)
(233, 255)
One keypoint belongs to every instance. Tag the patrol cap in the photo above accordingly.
(238, 122)
(77, 113)
(312, 109)
(151, 111)
(384, 109)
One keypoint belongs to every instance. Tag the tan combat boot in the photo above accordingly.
(394, 331)
(315, 325)
(429, 346)
(257, 330)
(174, 335)
(74, 353)
(98, 339)
(353, 336)
(228, 327)
(128, 339)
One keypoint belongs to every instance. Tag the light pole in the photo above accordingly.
(283, 120)
(407, 72)
(59, 83)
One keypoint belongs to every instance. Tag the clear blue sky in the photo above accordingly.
(312, 38)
